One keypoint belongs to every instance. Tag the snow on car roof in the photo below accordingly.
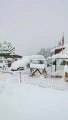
(37, 57)
(37, 66)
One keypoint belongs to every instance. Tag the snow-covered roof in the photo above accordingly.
(37, 57)
(65, 51)
(62, 54)
(59, 47)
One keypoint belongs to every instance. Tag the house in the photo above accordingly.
(58, 61)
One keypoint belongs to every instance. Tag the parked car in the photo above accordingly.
(25, 62)
(20, 64)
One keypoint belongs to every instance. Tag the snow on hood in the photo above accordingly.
(20, 63)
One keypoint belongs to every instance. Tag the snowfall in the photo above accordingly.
(23, 97)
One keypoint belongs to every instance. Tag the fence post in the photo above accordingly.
(20, 76)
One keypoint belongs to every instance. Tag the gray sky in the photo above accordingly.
(33, 24)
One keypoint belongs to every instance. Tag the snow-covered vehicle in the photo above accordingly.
(38, 61)
(25, 62)
(20, 64)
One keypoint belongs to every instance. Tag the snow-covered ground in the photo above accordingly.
(32, 98)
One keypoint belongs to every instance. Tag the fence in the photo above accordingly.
(38, 80)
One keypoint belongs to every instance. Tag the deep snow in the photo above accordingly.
(22, 101)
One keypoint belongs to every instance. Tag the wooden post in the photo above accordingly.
(55, 64)
(20, 76)
(51, 66)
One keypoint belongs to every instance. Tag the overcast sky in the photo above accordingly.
(33, 24)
